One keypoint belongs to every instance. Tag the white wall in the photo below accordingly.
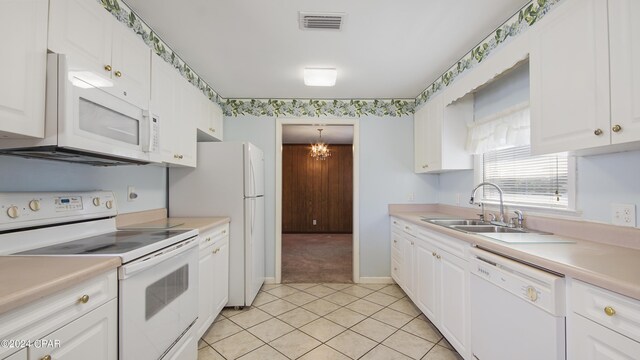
(18, 174)
(386, 177)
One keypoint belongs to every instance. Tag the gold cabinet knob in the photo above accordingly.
(438, 257)
(598, 132)
(84, 299)
(180, 157)
(216, 250)
(412, 243)
(609, 311)
(46, 357)
(118, 73)
(425, 166)
(107, 67)
(395, 241)
(433, 253)
(212, 129)
(395, 268)
(175, 156)
(616, 128)
(224, 231)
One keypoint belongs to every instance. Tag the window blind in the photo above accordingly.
(530, 180)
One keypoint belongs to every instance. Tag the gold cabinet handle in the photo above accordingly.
(46, 357)
(425, 166)
(598, 132)
(118, 73)
(616, 128)
(107, 67)
(84, 299)
(609, 311)
(216, 250)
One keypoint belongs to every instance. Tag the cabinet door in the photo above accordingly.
(591, 341)
(569, 72)
(454, 296)
(206, 271)
(217, 120)
(426, 279)
(163, 104)
(82, 30)
(428, 136)
(20, 355)
(408, 271)
(131, 62)
(624, 38)
(23, 24)
(220, 275)
(92, 336)
(186, 111)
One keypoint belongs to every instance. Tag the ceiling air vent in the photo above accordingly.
(321, 21)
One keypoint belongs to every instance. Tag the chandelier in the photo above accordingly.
(319, 150)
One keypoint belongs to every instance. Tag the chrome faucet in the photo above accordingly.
(520, 218)
(473, 194)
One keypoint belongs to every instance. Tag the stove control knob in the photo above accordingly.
(13, 212)
(532, 294)
(34, 205)
(96, 201)
(109, 204)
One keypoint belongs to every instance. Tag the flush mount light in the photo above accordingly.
(320, 76)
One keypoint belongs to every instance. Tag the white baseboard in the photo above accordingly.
(376, 280)
(270, 280)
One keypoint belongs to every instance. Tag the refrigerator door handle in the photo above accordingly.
(253, 215)
(253, 178)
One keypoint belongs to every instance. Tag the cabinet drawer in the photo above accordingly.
(617, 312)
(396, 225)
(37, 319)
(207, 238)
(396, 240)
(410, 229)
(449, 244)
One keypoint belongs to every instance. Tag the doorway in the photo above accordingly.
(316, 222)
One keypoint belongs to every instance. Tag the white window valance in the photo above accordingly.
(508, 128)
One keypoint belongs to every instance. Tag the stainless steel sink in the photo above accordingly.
(453, 222)
(487, 229)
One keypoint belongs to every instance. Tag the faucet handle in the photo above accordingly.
(493, 216)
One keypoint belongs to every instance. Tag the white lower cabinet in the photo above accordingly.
(435, 275)
(602, 325)
(92, 336)
(73, 324)
(213, 289)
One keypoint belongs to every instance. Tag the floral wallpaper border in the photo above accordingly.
(125, 15)
(514, 26)
(526, 17)
(316, 108)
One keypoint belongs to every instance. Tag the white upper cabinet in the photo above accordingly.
(210, 120)
(23, 25)
(585, 76)
(624, 43)
(570, 78)
(131, 66)
(98, 43)
(440, 134)
(169, 103)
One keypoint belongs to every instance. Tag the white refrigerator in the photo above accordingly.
(228, 181)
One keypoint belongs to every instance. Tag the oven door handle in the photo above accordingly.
(151, 260)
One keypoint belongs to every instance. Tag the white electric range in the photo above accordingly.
(157, 292)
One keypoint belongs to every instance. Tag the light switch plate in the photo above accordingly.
(623, 214)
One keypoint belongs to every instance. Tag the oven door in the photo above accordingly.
(94, 120)
(158, 300)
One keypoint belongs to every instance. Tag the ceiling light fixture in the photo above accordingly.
(319, 150)
(320, 76)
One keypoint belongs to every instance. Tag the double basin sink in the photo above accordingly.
(477, 226)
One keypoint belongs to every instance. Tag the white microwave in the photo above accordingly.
(86, 124)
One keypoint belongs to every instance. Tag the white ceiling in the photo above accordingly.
(387, 49)
(307, 134)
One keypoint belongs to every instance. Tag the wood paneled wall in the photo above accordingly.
(320, 190)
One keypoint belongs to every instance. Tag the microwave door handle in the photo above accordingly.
(148, 133)
(129, 270)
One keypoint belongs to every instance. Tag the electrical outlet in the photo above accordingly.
(623, 214)
(411, 196)
(131, 193)
(315, 222)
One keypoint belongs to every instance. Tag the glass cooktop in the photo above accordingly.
(114, 243)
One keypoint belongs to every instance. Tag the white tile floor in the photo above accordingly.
(325, 322)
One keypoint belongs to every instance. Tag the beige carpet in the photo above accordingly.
(313, 258)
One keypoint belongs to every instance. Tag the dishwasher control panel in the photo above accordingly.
(538, 287)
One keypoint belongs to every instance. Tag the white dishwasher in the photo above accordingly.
(517, 311)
